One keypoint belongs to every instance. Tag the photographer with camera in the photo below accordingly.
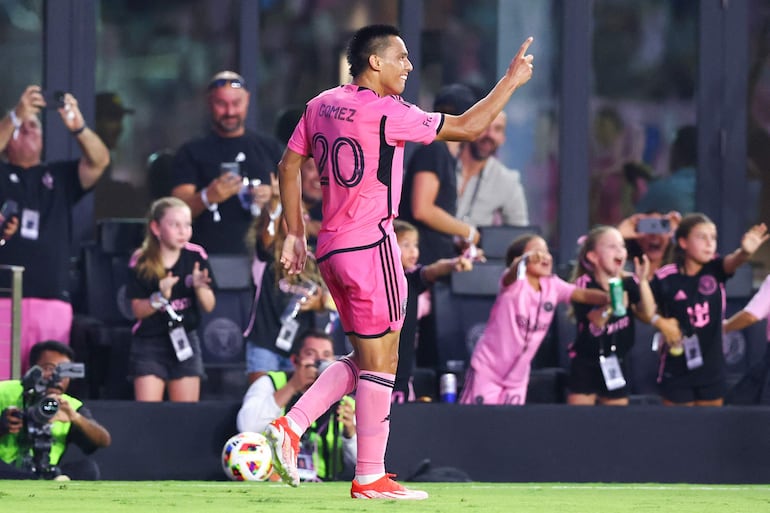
(328, 448)
(39, 420)
(45, 194)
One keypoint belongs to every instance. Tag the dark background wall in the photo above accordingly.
(535, 443)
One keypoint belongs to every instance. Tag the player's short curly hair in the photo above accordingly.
(367, 41)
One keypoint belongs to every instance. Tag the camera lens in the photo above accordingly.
(44, 410)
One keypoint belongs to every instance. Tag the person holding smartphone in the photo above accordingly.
(45, 194)
(224, 176)
(651, 235)
(9, 220)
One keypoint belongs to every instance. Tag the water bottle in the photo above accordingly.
(301, 295)
(448, 388)
(616, 297)
(246, 195)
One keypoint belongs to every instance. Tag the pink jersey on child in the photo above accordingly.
(759, 305)
(518, 323)
(357, 141)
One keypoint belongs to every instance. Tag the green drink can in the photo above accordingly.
(616, 297)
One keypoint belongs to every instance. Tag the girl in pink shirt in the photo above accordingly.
(518, 322)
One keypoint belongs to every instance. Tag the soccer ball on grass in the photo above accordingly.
(247, 457)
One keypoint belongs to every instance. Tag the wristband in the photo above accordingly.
(205, 199)
(471, 234)
(15, 121)
(157, 301)
(78, 131)
(654, 319)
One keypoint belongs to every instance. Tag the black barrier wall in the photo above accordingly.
(536, 443)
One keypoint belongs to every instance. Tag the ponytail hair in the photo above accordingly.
(148, 262)
(588, 244)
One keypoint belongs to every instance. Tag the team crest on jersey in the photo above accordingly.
(47, 180)
(548, 306)
(707, 285)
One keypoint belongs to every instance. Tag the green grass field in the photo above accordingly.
(195, 497)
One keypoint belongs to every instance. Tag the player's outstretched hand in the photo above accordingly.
(520, 68)
(294, 254)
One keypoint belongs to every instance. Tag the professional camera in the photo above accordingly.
(36, 439)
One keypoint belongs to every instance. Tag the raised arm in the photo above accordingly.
(470, 125)
(95, 156)
(752, 239)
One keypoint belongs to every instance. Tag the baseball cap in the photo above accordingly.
(454, 99)
(109, 104)
(226, 78)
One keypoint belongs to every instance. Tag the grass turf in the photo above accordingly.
(195, 497)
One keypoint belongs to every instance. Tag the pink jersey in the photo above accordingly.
(759, 305)
(517, 324)
(357, 140)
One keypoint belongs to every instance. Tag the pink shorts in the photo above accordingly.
(368, 287)
(41, 319)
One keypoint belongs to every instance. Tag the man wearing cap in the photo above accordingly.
(109, 117)
(210, 173)
(429, 197)
(114, 197)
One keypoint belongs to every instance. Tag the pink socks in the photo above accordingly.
(336, 381)
(373, 421)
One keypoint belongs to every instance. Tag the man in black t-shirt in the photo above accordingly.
(429, 196)
(219, 197)
(44, 195)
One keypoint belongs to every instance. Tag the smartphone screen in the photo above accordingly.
(10, 208)
(653, 225)
(230, 168)
(54, 99)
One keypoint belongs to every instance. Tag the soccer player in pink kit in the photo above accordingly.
(356, 135)
(518, 322)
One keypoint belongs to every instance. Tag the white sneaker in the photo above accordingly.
(284, 443)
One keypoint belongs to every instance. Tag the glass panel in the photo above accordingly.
(645, 68)
(473, 43)
(759, 124)
(303, 45)
(21, 26)
(157, 58)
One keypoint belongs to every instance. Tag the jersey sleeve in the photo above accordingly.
(563, 290)
(183, 168)
(631, 284)
(759, 305)
(407, 122)
(136, 287)
(205, 265)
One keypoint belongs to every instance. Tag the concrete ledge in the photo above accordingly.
(535, 443)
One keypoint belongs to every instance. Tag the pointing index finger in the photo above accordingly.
(524, 47)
